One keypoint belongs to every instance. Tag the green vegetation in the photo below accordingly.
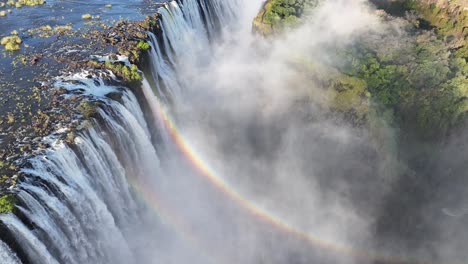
(87, 109)
(20, 3)
(419, 86)
(12, 43)
(448, 18)
(279, 11)
(424, 85)
(7, 203)
(349, 95)
(143, 45)
(47, 31)
(278, 14)
(128, 73)
(451, 21)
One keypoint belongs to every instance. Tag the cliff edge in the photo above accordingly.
(275, 15)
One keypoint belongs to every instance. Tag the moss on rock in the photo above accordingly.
(87, 109)
(7, 203)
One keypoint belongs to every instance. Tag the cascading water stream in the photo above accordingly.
(78, 200)
(132, 188)
(225, 154)
(7, 255)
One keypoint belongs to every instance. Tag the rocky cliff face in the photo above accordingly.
(448, 17)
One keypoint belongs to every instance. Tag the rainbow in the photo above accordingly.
(208, 173)
(167, 216)
(202, 166)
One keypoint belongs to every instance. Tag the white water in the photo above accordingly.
(84, 203)
(81, 204)
(79, 201)
(192, 77)
(6, 255)
(243, 115)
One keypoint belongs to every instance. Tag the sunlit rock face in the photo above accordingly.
(450, 18)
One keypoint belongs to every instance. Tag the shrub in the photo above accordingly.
(7, 203)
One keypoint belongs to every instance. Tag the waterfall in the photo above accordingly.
(185, 38)
(77, 203)
(230, 151)
(6, 255)
(79, 199)
(188, 29)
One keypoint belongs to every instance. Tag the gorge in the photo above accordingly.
(338, 136)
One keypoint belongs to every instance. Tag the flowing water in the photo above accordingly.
(216, 159)
(85, 204)
(141, 186)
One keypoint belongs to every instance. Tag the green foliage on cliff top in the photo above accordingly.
(349, 95)
(449, 18)
(451, 21)
(423, 84)
(281, 9)
(7, 203)
(285, 11)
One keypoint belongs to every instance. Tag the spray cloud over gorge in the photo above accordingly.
(229, 153)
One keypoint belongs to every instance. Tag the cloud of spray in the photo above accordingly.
(440, 212)
(261, 120)
(450, 198)
(258, 113)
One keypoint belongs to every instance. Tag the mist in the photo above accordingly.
(255, 110)
(261, 120)
(341, 137)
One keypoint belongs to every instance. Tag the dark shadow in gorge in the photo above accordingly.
(426, 210)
